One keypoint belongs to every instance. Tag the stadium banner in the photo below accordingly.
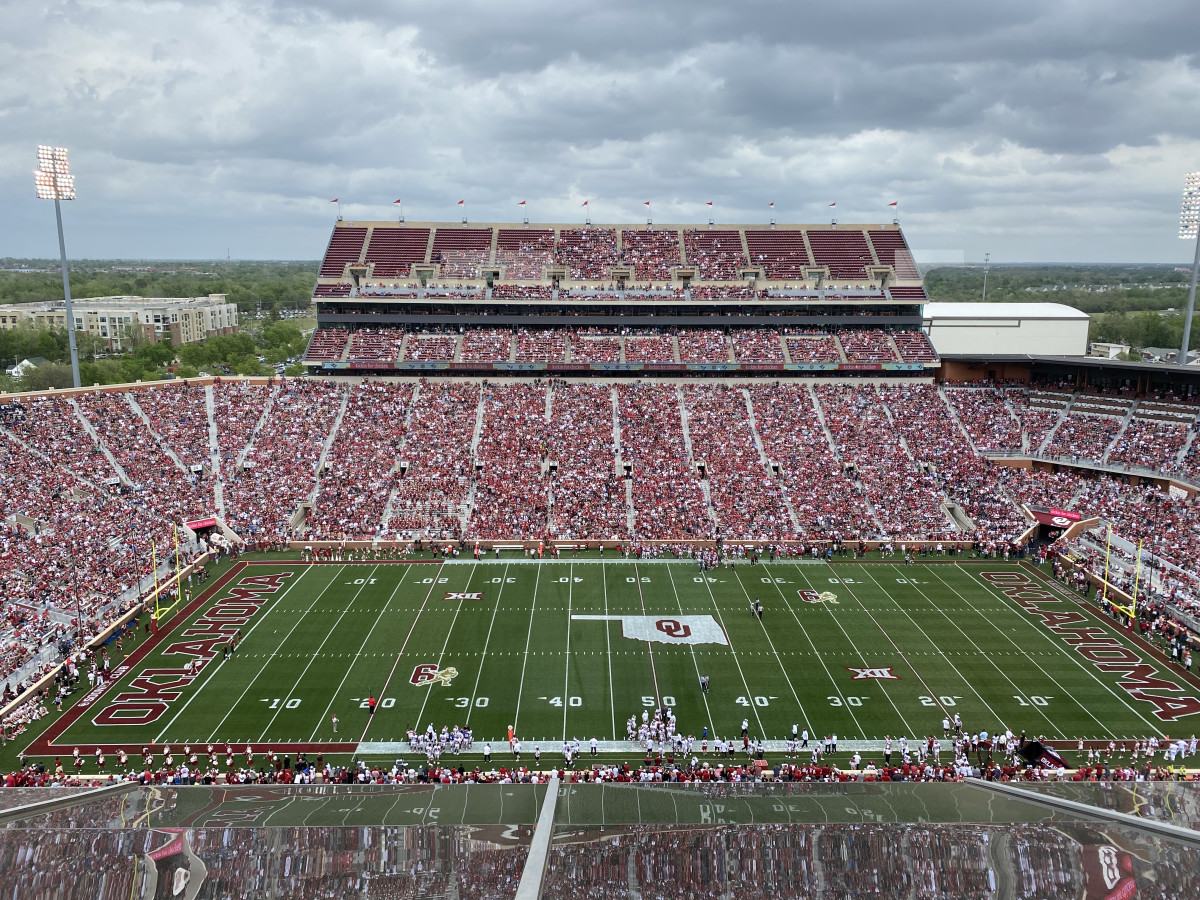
(669, 367)
(518, 366)
(903, 367)
(372, 364)
(426, 365)
(1056, 518)
(704, 367)
(811, 367)
(200, 523)
(616, 367)
(666, 629)
(860, 367)
(335, 365)
(761, 367)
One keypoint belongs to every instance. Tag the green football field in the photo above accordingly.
(573, 648)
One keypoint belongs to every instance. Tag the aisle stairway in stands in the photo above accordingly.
(400, 452)
(92, 433)
(258, 426)
(765, 460)
(630, 516)
(162, 442)
(343, 402)
(705, 487)
(214, 452)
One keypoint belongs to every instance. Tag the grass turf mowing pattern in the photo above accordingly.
(331, 635)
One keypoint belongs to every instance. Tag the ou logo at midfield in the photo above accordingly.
(673, 628)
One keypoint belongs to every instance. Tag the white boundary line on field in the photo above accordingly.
(525, 661)
(1157, 728)
(199, 690)
(350, 668)
(762, 733)
(486, 642)
(996, 717)
(442, 654)
(775, 653)
(703, 694)
(270, 656)
(313, 657)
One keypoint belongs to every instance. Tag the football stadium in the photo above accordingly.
(653, 560)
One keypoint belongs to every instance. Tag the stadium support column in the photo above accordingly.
(1189, 227)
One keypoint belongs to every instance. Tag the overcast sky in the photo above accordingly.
(1044, 130)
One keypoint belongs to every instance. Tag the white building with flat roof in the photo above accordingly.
(1006, 329)
(184, 320)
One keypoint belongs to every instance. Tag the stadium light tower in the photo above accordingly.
(987, 264)
(1189, 228)
(54, 181)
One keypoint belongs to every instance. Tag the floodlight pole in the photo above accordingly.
(1187, 322)
(62, 255)
(987, 258)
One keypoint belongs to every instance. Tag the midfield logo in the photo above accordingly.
(882, 673)
(463, 595)
(822, 597)
(428, 673)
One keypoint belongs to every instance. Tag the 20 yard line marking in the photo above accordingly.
(332, 630)
(407, 637)
(342, 683)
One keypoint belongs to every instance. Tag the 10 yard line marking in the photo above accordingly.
(215, 667)
(313, 658)
(349, 668)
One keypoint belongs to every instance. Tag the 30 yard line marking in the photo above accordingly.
(1156, 727)
(832, 683)
(487, 640)
(214, 668)
(313, 657)
(907, 726)
(349, 668)
(441, 656)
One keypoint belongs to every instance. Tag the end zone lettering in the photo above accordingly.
(150, 694)
(1096, 644)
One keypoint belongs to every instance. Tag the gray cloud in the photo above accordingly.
(1034, 130)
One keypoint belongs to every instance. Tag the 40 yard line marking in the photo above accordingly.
(525, 662)
(350, 668)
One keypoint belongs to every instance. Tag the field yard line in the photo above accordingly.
(841, 581)
(1156, 728)
(988, 619)
(782, 668)
(612, 699)
(299, 619)
(996, 717)
(525, 662)
(833, 684)
(637, 580)
(703, 695)
(749, 693)
(349, 668)
(567, 663)
(249, 632)
(407, 637)
(487, 640)
(442, 655)
(313, 657)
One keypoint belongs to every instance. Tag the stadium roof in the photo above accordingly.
(937, 310)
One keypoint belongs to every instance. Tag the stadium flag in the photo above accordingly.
(894, 203)
(645, 203)
(834, 203)
(335, 200)
(397, 201)
(709, 203)
(522, 203)
(462, 202)
(771, 205)
(584, 203)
